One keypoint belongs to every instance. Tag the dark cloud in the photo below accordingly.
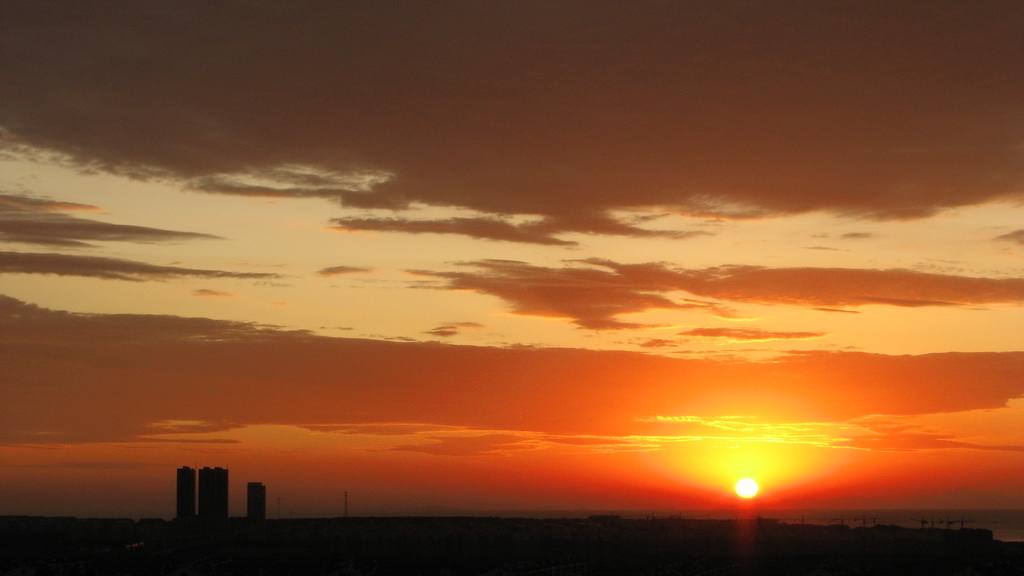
(837, 310)
(27, 323)
(830, 287)
(749, 334)
(377, 429)
(873, 433)
(895, 437)
(36, 221)
(565, 109)
(191, 427)
(93, 465)
(72, 378)
(11, 203)
(204, 292)
(542, 232)
(108, 268)
(590, 296)
(340, 270)
(657, 343)
(448, 330)
(614, 443)
(290, 182)
(593, 292)
(479, 445)
(1016, 236)
(484, 228)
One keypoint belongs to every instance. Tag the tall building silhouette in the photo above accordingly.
(186, 493)
(213, 493)
(256, 501)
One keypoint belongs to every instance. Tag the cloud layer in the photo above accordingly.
(726, 108)
(77, 378)
(108, 268)
(28, 220)
(593, 292)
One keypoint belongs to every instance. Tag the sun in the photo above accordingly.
(746, 488)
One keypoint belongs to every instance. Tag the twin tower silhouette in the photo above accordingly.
(213, 495)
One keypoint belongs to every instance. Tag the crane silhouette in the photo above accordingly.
(949, 523)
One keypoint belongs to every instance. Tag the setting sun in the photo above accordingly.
(746, 488)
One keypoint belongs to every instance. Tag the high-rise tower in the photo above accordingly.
(256, 501)
(186, 493)
(213, 493)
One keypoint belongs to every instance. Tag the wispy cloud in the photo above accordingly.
(544, 232)
(207, 293)
(748, 334)
(1015, 236)
(380, 428)
(292, 181)
(42, 222)
(593, 292)
(12, 203)
(448, 330)
(476, 445)
(872, 434)
(91, 465)
(108, 268)
(342, 270)
(590, 296)
(484, 228)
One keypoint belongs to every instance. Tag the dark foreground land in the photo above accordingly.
(493, 546)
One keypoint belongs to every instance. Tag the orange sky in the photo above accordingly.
(512, 255)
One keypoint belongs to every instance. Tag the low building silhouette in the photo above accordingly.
(256, 501)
